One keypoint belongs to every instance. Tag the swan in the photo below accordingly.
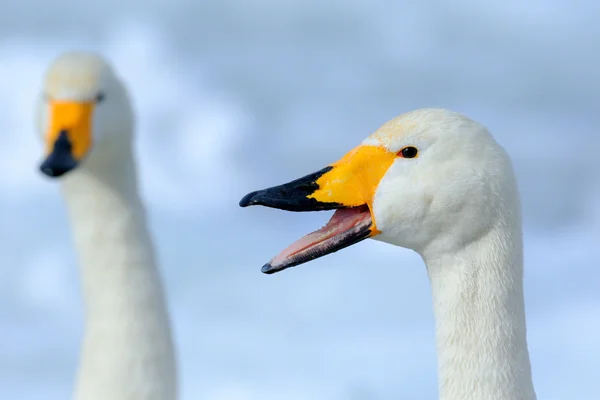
(436, 182)
(86, 121)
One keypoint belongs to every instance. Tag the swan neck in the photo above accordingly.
(480, 319)
(127, 349)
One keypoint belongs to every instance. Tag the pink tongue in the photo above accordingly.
(342, 220)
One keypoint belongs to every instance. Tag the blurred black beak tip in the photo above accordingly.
(55, 167)
(60, 161)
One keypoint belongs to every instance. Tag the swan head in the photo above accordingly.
(430, 180)
(84, 116)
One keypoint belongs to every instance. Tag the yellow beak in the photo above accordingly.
(349, 182)
(348, 185)
(69, 136)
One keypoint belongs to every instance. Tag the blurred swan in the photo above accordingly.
(436, 182)
(86, 121)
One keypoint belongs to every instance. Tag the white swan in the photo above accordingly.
(86, 120)
(435, 182)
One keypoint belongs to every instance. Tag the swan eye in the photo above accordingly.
(408, 152)
(100, 97)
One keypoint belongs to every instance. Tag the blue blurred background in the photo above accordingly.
(238, 95)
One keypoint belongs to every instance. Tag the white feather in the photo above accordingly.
(127, 351)
(457, 205)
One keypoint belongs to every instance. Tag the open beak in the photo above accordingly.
(69, 136)
(348, 186)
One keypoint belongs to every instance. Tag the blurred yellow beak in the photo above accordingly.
(69, 137)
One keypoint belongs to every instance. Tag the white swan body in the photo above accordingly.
(435, 182)
(86, 120)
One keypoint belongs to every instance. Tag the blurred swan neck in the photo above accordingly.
(127, 349)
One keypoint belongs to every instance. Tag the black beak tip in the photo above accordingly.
(268, 269)
(61, 160)
(55, 170)
(249, 199)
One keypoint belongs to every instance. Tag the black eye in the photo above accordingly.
(100, 97)
(408, 152)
